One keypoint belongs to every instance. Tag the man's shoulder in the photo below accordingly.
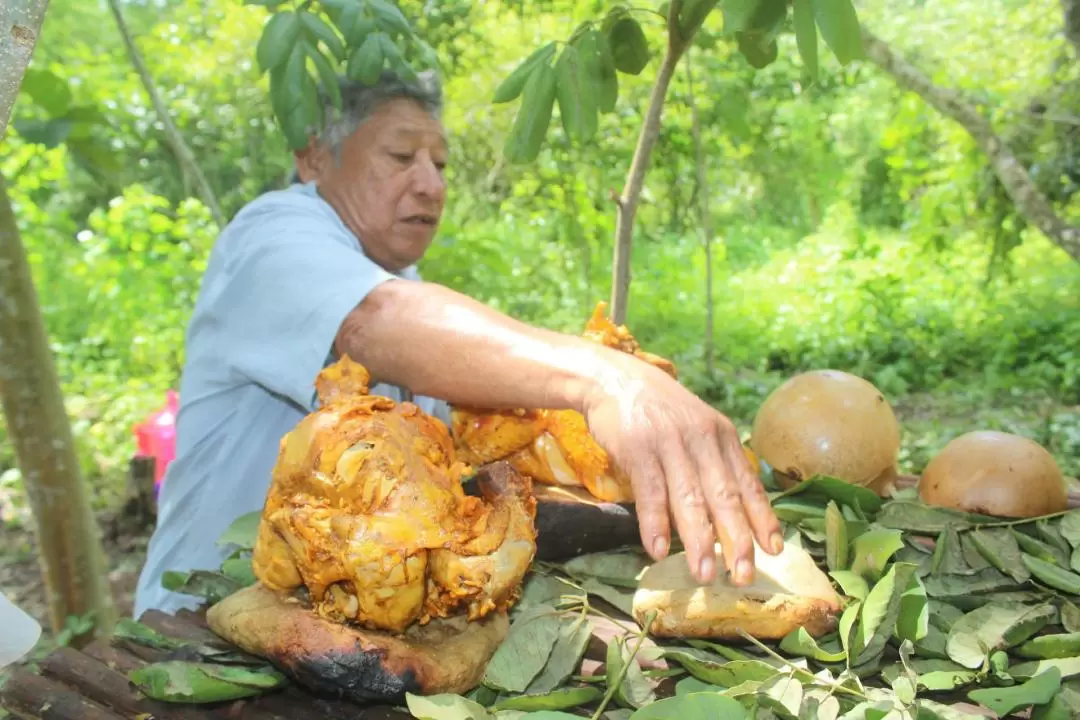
(293, 214)
(300, 201)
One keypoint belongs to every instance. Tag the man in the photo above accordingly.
(327, 267)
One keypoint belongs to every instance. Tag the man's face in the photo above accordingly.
(388, 186)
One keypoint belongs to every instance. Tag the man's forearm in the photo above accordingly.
(442, 344)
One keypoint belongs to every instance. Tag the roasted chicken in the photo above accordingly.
(552, 447)
(366, 511)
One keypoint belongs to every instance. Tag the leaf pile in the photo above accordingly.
(193, 672)
(945, 612)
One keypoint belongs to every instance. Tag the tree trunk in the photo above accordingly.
(20, 25)
(180, 149)
(631, 195)
(1031, 203)
(69, 544)
(706, 220)
(1071, 12)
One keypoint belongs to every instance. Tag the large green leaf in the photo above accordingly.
(629, 47)
(533, 117)
(193, 682)
(327, 76)
(565, 656)
(692, 14)
(915, 516)
(212, 586)
(738, 15)
(525, 651)
(575, 94)
(319, 31)
(994, 627)
(999, 548)
(840, 28)
(276, 43)
(1052, 575)
(806, 37)
(913, 620)
(800, 642)
(1038, 690)
(624, 675)
(445, 706)
(294, 97)
(836, 538)
(879, 613)
(390, 17)
(366, 61)
(871, 551)
(561, 699)
(510, 88)
(242, 532)
(823, 488)
(606, 76)
(693, 706)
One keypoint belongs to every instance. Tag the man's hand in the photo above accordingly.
(685, 461)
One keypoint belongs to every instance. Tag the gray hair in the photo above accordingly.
(359, 102)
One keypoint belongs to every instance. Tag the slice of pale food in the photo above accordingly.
(789, 591)
(18, 632)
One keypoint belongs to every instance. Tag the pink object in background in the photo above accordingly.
(156, 436)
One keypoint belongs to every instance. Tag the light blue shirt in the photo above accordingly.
(280, 280)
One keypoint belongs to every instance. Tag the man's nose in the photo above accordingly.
(427, 180)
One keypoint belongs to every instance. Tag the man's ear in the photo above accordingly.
(311, 161)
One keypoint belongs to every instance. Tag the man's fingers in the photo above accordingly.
(726, 508)
(651, 503)
(690, 509)
(754, 499)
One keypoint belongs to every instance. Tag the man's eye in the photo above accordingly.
(402, 157)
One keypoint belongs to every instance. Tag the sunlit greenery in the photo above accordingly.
(855, 227)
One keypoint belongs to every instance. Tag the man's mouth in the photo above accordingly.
(429, 220)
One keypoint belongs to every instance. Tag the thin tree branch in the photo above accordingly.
(706, 221)
(1031, 203)
(627, 203)
(1071, 16)
(172, 135)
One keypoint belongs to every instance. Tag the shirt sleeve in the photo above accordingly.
(290, 279)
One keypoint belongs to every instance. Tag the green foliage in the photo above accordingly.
(194, 682)
(585, 77)
(354, 38)
(850, 230)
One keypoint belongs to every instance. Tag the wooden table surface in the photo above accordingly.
(92, 684)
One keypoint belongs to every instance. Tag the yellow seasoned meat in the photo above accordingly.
(367, 512)
(553, 447)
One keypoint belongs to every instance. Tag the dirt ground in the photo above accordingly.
(21, 578)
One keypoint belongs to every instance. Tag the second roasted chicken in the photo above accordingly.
(552, 447)
(366, 511)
